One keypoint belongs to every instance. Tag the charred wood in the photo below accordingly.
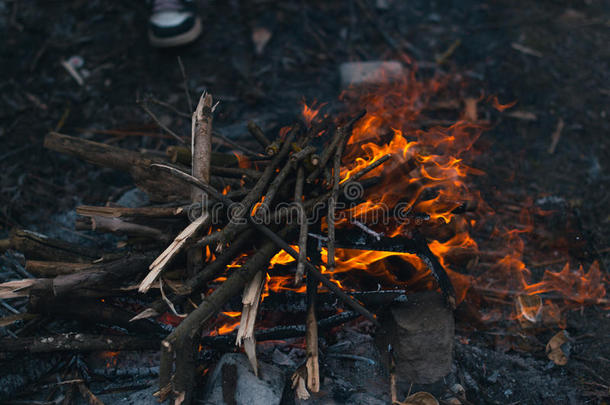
(281, 332)
(92, 311)
(77, 342)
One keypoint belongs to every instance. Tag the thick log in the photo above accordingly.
(38, 246)
(90, 310)
(160, 187)
(126, 212)
(182, 155)
(46, 269)
(94, 280)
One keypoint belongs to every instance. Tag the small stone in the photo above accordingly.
(266, 389)
(370, 72)
(458, 389)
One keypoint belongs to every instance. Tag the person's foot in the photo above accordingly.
(173, 22)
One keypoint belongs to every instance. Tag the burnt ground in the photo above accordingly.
(562, 74)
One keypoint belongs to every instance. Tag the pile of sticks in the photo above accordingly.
(301, 166)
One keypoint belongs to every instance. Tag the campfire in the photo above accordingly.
(369, 211)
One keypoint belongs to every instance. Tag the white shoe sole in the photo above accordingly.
(178, 40)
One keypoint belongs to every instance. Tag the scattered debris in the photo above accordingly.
(526, 50)
(522, 115)
(72, 70)
(442, 58)
(556, 135)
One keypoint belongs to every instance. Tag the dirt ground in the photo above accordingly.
(552, 57)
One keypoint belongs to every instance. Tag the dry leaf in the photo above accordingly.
(420, 398)
(558, 348)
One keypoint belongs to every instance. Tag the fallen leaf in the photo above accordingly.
(419, 398)
(558, 348)
(556, 135)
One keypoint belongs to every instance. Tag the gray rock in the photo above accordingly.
(234, 373)
(421, 333)
(133, 198)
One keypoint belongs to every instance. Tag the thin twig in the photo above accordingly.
(189, 100)
(160, 124)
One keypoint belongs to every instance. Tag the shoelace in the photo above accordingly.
(166, 5)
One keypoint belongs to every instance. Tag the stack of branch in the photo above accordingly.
(167, 243)
(62, 279)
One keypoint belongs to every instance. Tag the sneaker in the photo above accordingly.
(173, 23)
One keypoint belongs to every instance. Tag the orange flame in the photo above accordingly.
(310, 113)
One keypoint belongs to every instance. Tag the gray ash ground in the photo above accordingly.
(565, 78)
